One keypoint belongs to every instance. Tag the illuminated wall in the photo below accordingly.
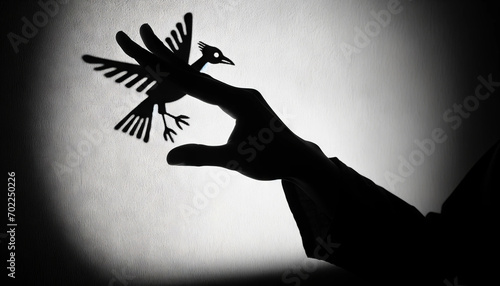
(368, 81)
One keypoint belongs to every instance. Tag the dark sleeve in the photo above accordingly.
(466, 231)
(373, 233)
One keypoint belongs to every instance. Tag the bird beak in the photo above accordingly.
(227, 61)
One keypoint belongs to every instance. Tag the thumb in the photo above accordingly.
(199, 155)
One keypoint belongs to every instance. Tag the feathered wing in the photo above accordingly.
(182, 47)
(118, 67)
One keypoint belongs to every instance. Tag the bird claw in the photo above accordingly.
(180, 119)
(168, 133)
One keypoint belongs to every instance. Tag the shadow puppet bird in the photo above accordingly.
(163, 91)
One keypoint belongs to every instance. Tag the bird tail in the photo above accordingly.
(140, 117)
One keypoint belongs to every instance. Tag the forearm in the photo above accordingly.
(378, 233)
(318, 181)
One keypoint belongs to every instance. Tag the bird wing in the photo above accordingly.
(118, 67)
(182, 50)
(184, 42)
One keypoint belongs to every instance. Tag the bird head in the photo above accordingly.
(213, 55)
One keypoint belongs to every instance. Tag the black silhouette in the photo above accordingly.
(343, 217)
(163, 91)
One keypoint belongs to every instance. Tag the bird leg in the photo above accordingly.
(179, 119)
(168, 131)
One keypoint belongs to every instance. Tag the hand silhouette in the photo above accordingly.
(260, 146)
(382, 237)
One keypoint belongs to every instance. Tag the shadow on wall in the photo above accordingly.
(43, 255)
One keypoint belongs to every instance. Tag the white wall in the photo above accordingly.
(121, 202)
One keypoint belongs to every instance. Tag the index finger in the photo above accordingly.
(133, 50)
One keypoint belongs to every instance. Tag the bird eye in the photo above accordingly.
(216, 55)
